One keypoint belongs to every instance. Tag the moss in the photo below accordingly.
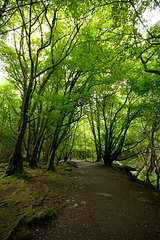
(145, 200)
(25, 195)
(20, 231)
(42, 217)
(156, 194)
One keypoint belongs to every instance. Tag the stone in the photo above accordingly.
(69, 169)
(42, 217)
(104, 194)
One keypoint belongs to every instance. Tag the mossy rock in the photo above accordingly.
(145, 200)
(42, 217)
(69, 169)
(20, 231)
(125, 170)
(72, 164)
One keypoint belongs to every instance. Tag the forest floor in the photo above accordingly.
(93, 203)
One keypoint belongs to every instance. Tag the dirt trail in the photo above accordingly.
(106, 205)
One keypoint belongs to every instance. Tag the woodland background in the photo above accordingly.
(80, 80)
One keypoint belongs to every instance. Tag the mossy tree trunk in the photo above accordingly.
(51, 159)
(16, 161)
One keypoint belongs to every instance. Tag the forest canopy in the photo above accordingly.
(81, 80)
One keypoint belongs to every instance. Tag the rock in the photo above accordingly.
(69, 169)
(75, 205)
(145, 200)
(20, 231)
(156, 194)
(72, 164)
(104, 194)
(42, 217)
(83, 202)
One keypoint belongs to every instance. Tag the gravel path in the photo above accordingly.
(106, 205)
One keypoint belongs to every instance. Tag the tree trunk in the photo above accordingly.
(98, 153)
(107, 161)
(16, 161)
(33, 160)
(50, 166)
(65, 157)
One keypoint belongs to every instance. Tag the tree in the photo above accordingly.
(151, 129)
(95, 127)
(70, 93)
(147, 41)
(29, 73)
(112, 112)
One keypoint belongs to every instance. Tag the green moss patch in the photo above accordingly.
(30, 199)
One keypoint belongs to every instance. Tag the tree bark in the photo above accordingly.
(16, 161)
(50, 166)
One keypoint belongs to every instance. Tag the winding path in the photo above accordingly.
(106, 205)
